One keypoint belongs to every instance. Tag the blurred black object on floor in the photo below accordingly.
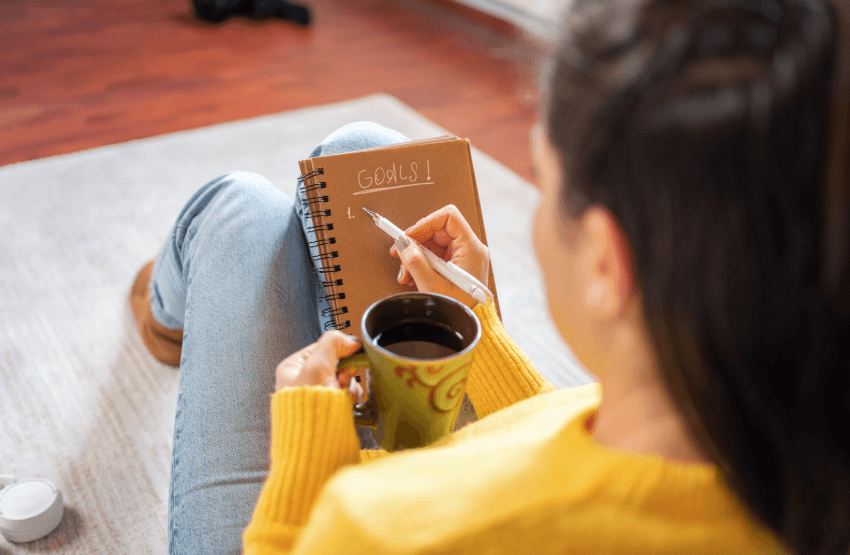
(219, 10)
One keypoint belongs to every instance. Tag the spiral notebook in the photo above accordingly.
(402, 182)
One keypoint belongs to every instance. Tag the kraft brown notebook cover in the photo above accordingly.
(402, 182)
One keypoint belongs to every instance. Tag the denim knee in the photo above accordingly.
(248, 202)
(359, 135)
(253, 205)
(249, 185)
(251, 193)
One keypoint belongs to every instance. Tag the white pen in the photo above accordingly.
(451, 272)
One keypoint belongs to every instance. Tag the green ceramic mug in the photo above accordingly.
(417, 349)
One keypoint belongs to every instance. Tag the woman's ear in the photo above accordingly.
(544, 158)
(607, 263)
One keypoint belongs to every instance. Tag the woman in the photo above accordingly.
(692, 236)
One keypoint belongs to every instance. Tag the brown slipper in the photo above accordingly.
(163, 343)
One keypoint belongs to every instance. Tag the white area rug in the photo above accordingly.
(82, 402)
(542, 18)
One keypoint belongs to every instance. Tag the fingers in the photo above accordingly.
(336, 345)
(331, 347)
(347, 380)
(453, 242)
(316, 364)
(440, 229)
(447, 234)
(427, 279)
(443, 226)
(403, 275)
(414, 263)
(288, 372)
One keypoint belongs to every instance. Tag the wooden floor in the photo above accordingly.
(77, 74)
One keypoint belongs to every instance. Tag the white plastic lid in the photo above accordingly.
(30, 509)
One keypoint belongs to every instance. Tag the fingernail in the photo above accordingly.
(401, 243)
(400, 273)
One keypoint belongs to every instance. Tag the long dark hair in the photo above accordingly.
(709, 128)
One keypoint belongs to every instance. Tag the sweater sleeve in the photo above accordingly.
(313, 436)
(501, 374)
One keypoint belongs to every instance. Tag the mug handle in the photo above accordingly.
(366, 413)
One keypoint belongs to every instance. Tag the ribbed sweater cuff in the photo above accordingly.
(501, 374)
(313, 436)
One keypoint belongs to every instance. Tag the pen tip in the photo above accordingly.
(372, 215)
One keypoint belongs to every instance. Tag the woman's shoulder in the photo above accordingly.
(538, 483)
(545, 475)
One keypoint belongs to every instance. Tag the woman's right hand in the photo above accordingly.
(447, 234)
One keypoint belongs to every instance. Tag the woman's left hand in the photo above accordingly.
(316, 364)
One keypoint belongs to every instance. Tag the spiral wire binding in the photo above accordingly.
(319, 185)
(312, 174)
(329, 283)
(326, 280)
(314, 200)
(323, 227)
(334, 311)
(326, 270)
(319, 213)
(325, 256)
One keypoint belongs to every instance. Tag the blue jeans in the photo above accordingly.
(236, 276)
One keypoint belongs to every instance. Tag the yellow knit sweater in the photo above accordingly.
(526, 478)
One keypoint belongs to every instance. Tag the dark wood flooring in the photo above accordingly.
(76, 74)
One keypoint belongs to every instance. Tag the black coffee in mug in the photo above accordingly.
(420, 339)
